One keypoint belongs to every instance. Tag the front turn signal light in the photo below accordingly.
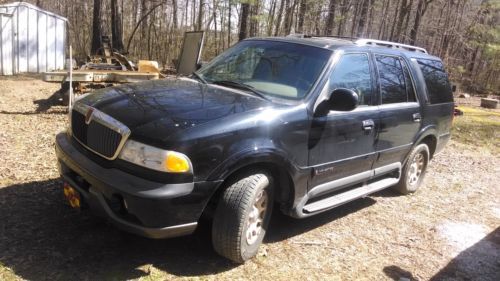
(177, 163)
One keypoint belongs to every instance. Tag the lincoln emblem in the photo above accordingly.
(88, 115)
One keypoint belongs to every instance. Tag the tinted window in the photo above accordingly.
(392, 79)
(436, 79)
(410, 90)
(353, 72)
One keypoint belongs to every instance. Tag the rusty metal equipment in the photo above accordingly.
(110, 67)
(100, 71)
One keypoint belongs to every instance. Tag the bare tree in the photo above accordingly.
(421, 9)
(96, 28)
(200, 15)
(461, 32)
(331, 17)
(363, 18)
(116, 27)
(301, 15)
(245, 10)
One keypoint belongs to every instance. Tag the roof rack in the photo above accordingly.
(301, 35)
(363, 42)
(389, 44)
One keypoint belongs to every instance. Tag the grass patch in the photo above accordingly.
(6, 273)
(478, 127)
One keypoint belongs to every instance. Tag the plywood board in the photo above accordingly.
(191, 51)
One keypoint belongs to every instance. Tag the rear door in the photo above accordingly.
(400, 113)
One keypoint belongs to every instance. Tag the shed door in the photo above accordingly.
(6, 44)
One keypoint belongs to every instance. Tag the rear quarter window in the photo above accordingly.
(436, 80)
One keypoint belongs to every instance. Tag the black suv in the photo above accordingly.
(306, 124)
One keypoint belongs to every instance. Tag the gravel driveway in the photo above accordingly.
(448, 230)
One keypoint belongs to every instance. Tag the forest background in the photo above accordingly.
(464, 33)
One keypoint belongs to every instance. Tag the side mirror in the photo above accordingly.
(453, 88)
(342, 99)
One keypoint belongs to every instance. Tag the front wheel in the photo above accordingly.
(414, 170)
(242, 216)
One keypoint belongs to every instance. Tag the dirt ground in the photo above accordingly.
(449, 230)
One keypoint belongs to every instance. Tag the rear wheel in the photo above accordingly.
(414, 170)
(242, 216)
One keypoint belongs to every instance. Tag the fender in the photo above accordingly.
(429, 130)
(292, 190)
(250, 156)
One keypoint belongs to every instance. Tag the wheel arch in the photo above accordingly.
(428, 136)
(273, 164)
(431, 142)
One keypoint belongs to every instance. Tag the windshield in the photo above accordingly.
(272, 68)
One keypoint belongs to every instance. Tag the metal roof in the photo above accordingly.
(29, 6)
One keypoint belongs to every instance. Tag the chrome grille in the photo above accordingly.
(100, 133)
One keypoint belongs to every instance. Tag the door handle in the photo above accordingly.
(417, 117)
(368, 125)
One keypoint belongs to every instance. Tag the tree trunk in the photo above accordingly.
(302, 14)
(254, 23)
(355, 19)
(421, 9)
(229, 25)
(214, 15)
(331, 17)
(270, 18)
(96, 28)
(174, 13)
(116, 27)
(245, 9)
(407, 22)
(288, 17)
(278, 20)
(396, 14)
(200, 15)
(346, 6)
(386, 32)
(144, 24)
(362, 19)
(369, 28)
(404, 9)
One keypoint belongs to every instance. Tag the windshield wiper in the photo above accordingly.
(240, 85)
(198, 76)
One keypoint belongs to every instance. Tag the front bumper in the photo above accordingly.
(134, 204)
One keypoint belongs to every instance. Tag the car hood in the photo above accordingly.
(154, 110)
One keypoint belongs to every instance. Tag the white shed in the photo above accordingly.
(31, 39)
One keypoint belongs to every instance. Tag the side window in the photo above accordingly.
(392, 79)
(410, 90)
(436, 79)
(353, 72)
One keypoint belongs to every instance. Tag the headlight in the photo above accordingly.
(155, 158)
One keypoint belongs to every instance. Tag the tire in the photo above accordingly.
(236, 215)
(414, 170)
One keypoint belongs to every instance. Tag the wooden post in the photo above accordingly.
(71, 98)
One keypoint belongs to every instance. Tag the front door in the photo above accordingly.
(341, 146)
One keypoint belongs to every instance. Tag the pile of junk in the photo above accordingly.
(108, 67)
